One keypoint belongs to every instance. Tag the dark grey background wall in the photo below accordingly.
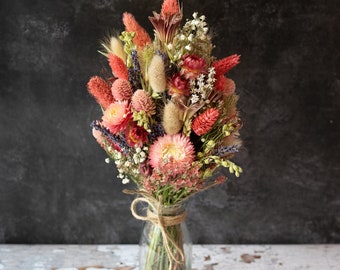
(54, 184)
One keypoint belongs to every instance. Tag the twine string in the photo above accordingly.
(155, 215)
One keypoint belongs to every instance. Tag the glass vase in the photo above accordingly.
(165, 245)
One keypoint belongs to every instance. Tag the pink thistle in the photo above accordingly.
(101, 91)
(141, 38)
(222, 66)
(178, 85)
(121, 89)
(172, 153)
(142, 101)
(204, 122)
(192, 66)
(118, 66)
(136, 136)
(117, 116)
(225, 85)
(169, 8)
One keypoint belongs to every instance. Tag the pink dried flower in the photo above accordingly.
(178, 85)
(121, 89)
(141, 38)
(101, 91)
(170, 7)
(225, 85)
(118, 67)
(142, 101)
(136, 136)
(117, 116)
(171, 152)
(192, 66)
(224, 65)
(204, 122)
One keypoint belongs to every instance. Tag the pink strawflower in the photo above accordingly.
(204, 122)
(142, 101)
(178, 85)
(117, 116)
(136, 136)
(101, 91)
(121, 89)
(141, 38)
(222, 66)
(192, 66)
(171, 153)
(118, 67)
(225, 85)
(169, 8)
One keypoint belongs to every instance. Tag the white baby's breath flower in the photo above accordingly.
(125, 181)
(188, 47)
(107, 160)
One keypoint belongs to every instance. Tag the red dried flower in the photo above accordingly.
(225, 85)
(222, 66)
(178, 85)
(141, 38)
(101, 91)
(192, 66)
(118, 67)
(136, 136)
(204, 122)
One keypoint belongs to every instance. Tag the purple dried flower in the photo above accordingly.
(119, 141)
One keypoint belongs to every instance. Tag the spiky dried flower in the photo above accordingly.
(141, 38)
(101, 91)
(118, 67)
(204, 122)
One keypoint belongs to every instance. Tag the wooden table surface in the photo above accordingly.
(205, 257)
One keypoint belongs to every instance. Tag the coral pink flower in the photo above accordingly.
(121, 89)
(204, 122)
(169, 8)
(141, 38)
(192, 66)
(224, 65)
(178, 85)
(142, 101)
(118, 67)
(101, 91)
(225, 85)
(117, 116)
(171, 152)
(136, 136)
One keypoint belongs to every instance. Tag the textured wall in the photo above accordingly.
(54, 184)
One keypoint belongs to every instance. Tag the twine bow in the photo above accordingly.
(155, 216)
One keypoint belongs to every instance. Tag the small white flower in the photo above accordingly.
(194, 98)
(169, 46)
(125, 181)
(138, 149)
(188, 47)
(107, 160)
(142, 154)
